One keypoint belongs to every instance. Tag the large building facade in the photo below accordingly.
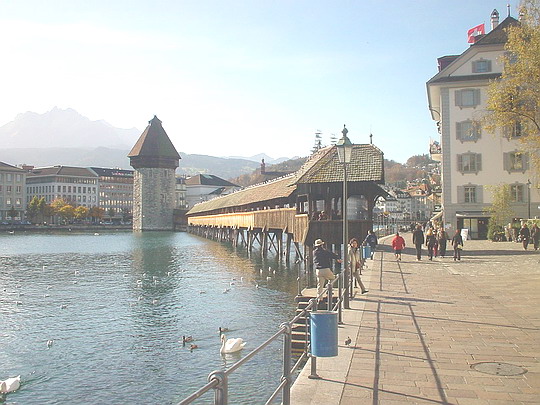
(472, 159)
(77, 186)
(12, 193)
(155, 160)
(115, 190)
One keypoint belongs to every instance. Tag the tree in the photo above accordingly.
(32, 210)
(67, 212)
(514, 100)
(81, 212)
(44, 209)
(96, 213)
(12, 213)
(110, 212)
(318, 142)
(500, 210)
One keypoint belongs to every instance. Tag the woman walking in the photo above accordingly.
(457, 244)
(535, 236)
(442, 238)
(356, 263)
(398, 244)
(431, 243)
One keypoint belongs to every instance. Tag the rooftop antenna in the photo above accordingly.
(508, 8)
(371, 139)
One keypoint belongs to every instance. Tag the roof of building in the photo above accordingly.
(208, 180)
(154, 142)
(62, 171)
(498, 35)
(10, 168)
(322, 167)
(102, 171)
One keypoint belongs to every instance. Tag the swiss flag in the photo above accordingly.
(474, 32)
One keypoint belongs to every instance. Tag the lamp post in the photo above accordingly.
(529, 198)
(344, 148)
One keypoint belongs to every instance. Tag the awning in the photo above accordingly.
(472, 214)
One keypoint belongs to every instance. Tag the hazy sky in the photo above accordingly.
(238, 77)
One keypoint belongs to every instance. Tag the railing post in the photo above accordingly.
(329, 296)
(313, 372)
(221, 391)
(340, 295)
(286, 397)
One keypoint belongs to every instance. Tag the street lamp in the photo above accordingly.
(529, 198)
(344, 149)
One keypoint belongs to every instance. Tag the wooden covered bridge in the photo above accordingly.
(296, 209)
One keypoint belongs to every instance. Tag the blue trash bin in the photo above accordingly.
(366, 252)
(324, 333)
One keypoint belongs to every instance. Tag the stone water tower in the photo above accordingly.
(155, 160)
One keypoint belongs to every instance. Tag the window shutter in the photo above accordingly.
(476, 96)
(479, 194)
(459, 131)
(478, 162)
(489, 66)
(460, 194)
(460, 163)
(475, 67)
(525, 161)
(506, 161)
(457, 95)
(477, 130)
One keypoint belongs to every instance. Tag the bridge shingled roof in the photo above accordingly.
(322, 167)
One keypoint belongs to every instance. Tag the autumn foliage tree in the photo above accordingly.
(514, 100)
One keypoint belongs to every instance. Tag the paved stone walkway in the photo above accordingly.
(419, 332)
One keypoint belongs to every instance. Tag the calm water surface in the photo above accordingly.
(116, 306)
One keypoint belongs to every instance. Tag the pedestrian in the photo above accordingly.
(418, 241)
(398, 244)
(535, 236)
(525, 234)
(431, 243)
(322, 260)
(442, 238)
(457, 244)
(356, 263)
(371, 241)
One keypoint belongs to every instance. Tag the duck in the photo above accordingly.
(232, 345)
(222, 330)
(348, 341)
(10, 385)
(193, 346)
(187, 339)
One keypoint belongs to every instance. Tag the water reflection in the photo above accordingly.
(117, 306)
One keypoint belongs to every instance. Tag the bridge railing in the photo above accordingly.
(218, 379)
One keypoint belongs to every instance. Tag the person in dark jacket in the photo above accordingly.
(442, 238)
(457, 244)
(525, 235)
(431, 243)
(535, 236)
(322, 260)
(418, 241)
(371, 240)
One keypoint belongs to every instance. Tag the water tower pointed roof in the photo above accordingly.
(154, 148)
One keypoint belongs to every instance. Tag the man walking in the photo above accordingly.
(418, 240)
(322, 260)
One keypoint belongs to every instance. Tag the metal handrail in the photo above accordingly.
(218, 379)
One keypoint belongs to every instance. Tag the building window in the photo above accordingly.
(467, 131)
(469, 162)
(470, 194)
(513, 130)
(467, 98)
(516, 161)
(481, 66)
(516, 192)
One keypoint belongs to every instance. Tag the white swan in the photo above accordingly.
(10, 385)
(231, 345)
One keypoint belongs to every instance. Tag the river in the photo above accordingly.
(99, 318)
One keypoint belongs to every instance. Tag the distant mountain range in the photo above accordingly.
(65, 137)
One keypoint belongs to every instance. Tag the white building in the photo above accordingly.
(473, 160)
(75, 185)
(204, 187)
(12, 193)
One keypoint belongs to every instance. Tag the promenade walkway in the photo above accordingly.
(437, 332)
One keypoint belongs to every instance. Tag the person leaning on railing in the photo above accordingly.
(322, 260)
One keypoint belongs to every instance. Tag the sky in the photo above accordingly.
(238, 78)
